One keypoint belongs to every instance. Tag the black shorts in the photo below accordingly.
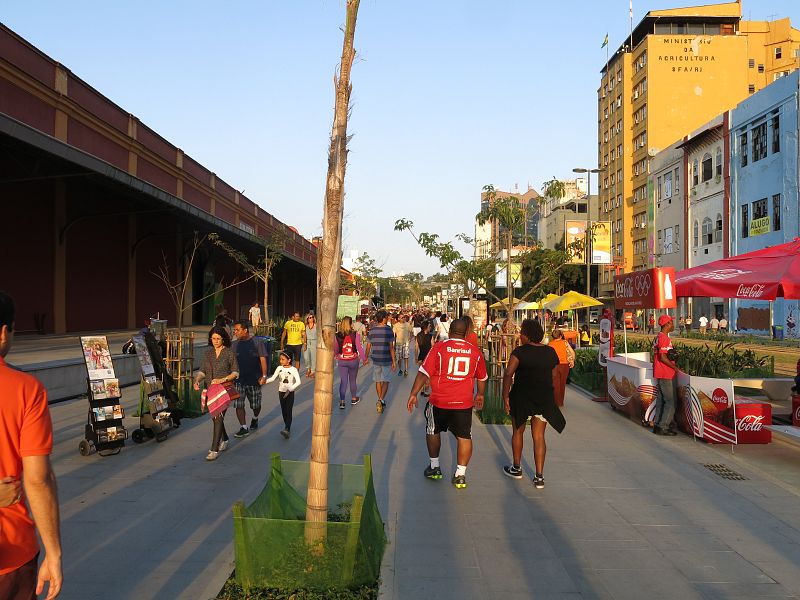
(294, 352)
(457, 421)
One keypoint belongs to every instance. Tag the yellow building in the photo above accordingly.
(679, 69)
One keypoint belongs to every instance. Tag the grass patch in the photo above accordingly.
(233, 591)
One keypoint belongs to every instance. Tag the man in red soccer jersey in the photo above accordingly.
(452, 367)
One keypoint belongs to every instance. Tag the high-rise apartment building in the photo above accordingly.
(679, 69)
(529, 201)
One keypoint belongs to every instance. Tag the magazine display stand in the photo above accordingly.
(104, 432)
(155, 419)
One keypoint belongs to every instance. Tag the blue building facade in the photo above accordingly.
(764, 208)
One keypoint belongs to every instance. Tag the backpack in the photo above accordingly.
(348, 347)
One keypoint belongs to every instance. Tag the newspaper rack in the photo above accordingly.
(104, 433)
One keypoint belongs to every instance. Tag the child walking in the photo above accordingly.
(288, 381)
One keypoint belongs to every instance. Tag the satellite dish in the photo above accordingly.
(653, 151)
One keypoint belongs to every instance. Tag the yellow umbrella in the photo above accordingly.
(504, 304)
(548, 298)
(571, 301)
(528, 306)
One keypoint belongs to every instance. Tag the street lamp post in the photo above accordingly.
(587, 246)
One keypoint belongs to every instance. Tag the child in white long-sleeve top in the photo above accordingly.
(288, 381)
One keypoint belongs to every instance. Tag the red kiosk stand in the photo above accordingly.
(706, 408)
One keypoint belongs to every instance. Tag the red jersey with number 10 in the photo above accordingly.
(453, 366)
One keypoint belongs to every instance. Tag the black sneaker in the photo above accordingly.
(405, 373)
(399, 372)
(285, 433)
(355, 400)
(253, 423)
(341, 404)
(243, 432)
(538, 482)
(459, 481)
(433, 472)
(513, 472)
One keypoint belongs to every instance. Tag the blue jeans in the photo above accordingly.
(665, 410)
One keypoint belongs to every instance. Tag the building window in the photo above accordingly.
(708, 167)
(751, 63)
(760, 209)
(760, 141)
(696, 233)
(677, 181)
(778, 52)
(776, 134)
(776, 212)
(745, 221)
(658, 190)
(718, 229)
(667, 185)
(719, 161)
(695, 172)
(760, 68)
(743, 148)
(708, 233)
(751, 89)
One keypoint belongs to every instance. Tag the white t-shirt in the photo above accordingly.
(255, 315)
(703, 321)
(714, 323)
(288, 378)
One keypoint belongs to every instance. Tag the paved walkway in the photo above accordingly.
(624, 515)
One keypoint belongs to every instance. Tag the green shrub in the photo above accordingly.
(233, 591)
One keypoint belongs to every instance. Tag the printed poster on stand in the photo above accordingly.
(97, 357)
(706, 408)
(143, 354)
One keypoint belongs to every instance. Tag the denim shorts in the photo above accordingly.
(381, 373)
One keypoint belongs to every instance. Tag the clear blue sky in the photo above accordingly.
(448, 95)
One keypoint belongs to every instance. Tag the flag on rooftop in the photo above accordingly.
(605, 42)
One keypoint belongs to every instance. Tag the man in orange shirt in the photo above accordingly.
(26, 440)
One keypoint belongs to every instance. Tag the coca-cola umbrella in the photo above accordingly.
(765, 274)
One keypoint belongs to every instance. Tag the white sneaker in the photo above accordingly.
(212, 455)
(223, 445)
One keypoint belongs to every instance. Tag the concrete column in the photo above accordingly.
(59, 259)
(131, 272)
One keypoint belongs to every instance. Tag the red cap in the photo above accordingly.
(663, 320)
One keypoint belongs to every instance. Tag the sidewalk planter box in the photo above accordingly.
(269, 535)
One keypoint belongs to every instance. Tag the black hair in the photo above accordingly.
(381, 315)
(223, 333)
(458, 328)
(243, 324)
(286, 354)
(7, 311)
(532, 330)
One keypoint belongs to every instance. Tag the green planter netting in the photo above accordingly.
(269, 535)
(189, 399)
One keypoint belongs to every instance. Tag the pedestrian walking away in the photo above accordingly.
(288, 381)
(310, 345)
(251, 356)
(664, 369)
(402, 330)
(703, 322)
(566, 360)
(219, 366)
(293, 338)
(452, 368)
(380, 346)
(723, 324)
(254, 314)
(28, 494)
(349, 350)
(424, 342)
(714, 322)
(531, 367)
(443, 328)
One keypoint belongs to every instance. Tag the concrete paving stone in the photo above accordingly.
(531, 549)
(462, 584)
(502, 526)
(678, 538)
(716, 567)
(519, 573)
(592, 531)
(741, 591)
(431, 558)
(588, 582)
(657, 584)
(784, 572)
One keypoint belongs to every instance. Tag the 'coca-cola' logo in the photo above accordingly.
(750, 291)
(750, 423)
(797, 414)
(720, 399)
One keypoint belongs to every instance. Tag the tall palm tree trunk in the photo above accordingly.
(329, 264)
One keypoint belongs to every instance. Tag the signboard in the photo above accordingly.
(575, 231)
(347, 306)
(606, 346)
(601, 243)
(516, 275)
(759, 226)
(479, 310)
(653, 288)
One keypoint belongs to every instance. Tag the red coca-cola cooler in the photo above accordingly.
(796, 410)
(752, 416)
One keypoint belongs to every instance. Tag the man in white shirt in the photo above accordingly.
(255, 315)
(723, 324)
(714, 322)
(703, 321)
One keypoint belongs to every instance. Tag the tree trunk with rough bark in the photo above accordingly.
(329, 264)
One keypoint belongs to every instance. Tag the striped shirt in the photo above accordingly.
(381, 337)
